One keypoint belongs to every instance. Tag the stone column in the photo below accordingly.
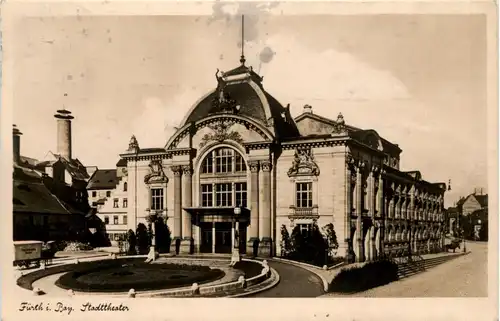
(381, 214)
(213, 237)
(265, 244)
(359, 212)
(177, 237)
(187, 228)
(253, 229)
(373, 249)
(348, 211)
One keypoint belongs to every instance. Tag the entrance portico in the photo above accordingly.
(217, 229)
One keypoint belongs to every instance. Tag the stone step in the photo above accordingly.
(409, 269)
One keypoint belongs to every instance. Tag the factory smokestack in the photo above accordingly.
(64, 118)
(16, 144)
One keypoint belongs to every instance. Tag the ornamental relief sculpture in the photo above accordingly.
(156, 173)
(303, 163)
(221, 133)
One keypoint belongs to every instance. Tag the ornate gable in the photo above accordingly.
(221, 133)
(156, 173)
(303, 164)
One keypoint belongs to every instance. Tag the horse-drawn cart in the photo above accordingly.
(27, 253)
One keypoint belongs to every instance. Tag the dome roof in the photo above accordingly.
(240, 91)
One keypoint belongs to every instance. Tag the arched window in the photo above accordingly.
(125, 186)
(232, 191)
(223, 160)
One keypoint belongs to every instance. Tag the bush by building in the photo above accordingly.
(370, 275)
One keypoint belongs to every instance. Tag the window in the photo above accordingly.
(94, 194)
(125, 187)
(224, 160)
(115, 203)
(125, 203)
(241, 194)
(125, 220)
(157, 198)
(208, 164)
(304, 195)
(223, 194)
(106, 220)
(240, 165)
(108, 193)
(115, 220)
(207, 195)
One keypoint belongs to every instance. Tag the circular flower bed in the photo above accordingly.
(122, 275)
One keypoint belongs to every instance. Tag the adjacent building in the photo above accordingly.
(44, 207)
(239, 156)
(108, 194)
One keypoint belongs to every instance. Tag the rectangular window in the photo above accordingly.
(303, 195)
(125, 203)
(106, 220)
(223, 194)
(157, 199)
(115, 220)
(94, 193)
(125, 222)
(115, 203)
(108, 193)
(207, 195)
(241, 194)
(224, 160)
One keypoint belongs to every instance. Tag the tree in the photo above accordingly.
(483, 232)
(286, 245)
(132, 242)
(331, 236)
(142, 238)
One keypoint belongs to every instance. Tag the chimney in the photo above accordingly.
(307, 109)
(64, 118)
(16, 144)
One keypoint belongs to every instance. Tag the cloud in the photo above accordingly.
(161, 116)
(300, 73)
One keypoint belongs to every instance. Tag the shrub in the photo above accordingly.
(483, 232)
(309, 248)
(142, 238)
(132, 242)
(368, 276)
(78, 246)
(286, 245)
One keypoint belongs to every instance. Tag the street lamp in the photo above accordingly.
(152, 217)
(235, 257)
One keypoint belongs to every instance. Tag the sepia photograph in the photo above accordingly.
(238, 151)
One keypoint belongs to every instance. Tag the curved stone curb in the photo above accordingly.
(266, 274)
(213, 289)
(308, 267)
(274, 275)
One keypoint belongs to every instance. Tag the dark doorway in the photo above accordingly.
(243, 239)
(223, 235)
(206, 238)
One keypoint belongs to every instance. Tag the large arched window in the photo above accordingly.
(223, 160)
(232, 189)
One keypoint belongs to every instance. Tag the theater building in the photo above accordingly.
(238, 147)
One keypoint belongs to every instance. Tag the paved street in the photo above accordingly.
(465, 276)
(294, 282)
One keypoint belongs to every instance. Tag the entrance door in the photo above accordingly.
(223, 237)
(206, 238)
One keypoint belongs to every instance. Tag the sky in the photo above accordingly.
(418, 80)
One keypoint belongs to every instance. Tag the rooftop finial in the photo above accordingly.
(242, 59)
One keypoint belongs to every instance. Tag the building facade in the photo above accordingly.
(238, 147)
